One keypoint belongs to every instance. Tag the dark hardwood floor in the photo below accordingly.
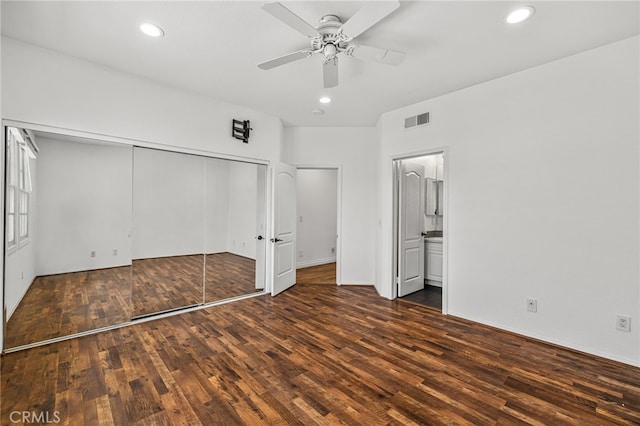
(229, 275)
(317, 355)
(429, 296)
(320, 274)
(166, 283)
(63, 304)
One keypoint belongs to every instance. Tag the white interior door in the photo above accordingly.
(284, 228)
(411, 220)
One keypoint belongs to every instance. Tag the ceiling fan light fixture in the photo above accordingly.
(329, 51)
(520, 14)
(325, 100)
(152, 30)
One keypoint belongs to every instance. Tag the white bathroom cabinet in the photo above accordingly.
(433, 261)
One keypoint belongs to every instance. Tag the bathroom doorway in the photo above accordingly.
(420, 237)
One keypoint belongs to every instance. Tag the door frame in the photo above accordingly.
(395, 176)
(338, 168)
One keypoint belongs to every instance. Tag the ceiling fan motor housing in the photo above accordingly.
(330, 41)
(328, 24)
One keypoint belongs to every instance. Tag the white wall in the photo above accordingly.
(44, 87)
(84, 205)
(20, 263)
(353, 148)
(243, 209)
(217, 201)
(184, 204)
(168, 204)
(543, 198)
(317, 198)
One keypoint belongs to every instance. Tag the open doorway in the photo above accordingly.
(419, 225)
(317, 226)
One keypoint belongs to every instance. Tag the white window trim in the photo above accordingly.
(19, 185)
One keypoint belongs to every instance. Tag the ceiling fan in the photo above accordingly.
(332, 37)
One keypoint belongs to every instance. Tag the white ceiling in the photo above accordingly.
(212, 47)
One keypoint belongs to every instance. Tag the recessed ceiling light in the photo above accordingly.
(325, 100)
(520, 14)
(151, 30)
(317, 111)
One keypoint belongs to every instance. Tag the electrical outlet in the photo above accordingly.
(115, 252)
(532, 305)
(333, 250)
(300, 219)
(92, 253)
(300, 253)
(623, 323)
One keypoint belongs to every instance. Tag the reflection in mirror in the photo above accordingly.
(168, 236)
(236, 210)
(67, 245)
(72, 207)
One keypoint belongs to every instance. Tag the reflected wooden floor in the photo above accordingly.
(317, 355)
(320, 274)
(166, 283)
(229, 275)
(63, 304)
(59, 305)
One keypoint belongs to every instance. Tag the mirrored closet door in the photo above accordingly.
(235, 229)
(168, 230)
(100, 234)
(67, 236)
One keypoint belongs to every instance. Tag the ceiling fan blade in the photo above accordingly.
(300, 54)
(367, 17)
(330, 73)
(291, 19)
(384, 56)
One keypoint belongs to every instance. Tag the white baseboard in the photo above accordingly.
(315, 262)
(552, 340)
(433, 283)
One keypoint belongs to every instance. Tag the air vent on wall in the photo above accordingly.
(416, 120)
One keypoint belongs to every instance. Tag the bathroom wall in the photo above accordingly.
(433, 169)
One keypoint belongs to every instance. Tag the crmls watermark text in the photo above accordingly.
(39, 417)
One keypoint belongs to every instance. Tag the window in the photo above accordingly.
(24, 189)
(18, 187)
(11, 191)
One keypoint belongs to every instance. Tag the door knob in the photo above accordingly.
(259, 237)
(275, 240)
(424, 234)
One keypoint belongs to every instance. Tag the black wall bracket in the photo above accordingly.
(240, 130)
